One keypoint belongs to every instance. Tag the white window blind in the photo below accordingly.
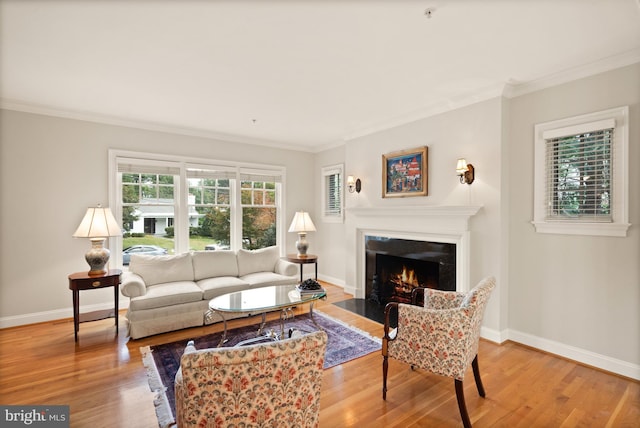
(333, 207)
(579, 175)
(142, 166)
(210, 172)
(249, 174)
(581, 182)
(332, 193)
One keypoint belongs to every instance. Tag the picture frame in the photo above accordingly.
(404, 173)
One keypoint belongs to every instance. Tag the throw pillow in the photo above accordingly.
(214, 264)
(162, 269)
(262, 260)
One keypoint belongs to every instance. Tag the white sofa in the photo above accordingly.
(172, 292)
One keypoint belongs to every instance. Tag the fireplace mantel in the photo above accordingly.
(417, 210)
(436, 223)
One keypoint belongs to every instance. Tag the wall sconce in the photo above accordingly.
(465, 171)
(354, 184)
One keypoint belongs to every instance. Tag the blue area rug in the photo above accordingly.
(345, 343)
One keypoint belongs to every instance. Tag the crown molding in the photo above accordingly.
(508, 89)
(24, 107)
(575, 73)
(483, 94)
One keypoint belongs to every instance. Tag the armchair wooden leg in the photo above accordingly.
(385, 369)
(461, 404)
(476, 375)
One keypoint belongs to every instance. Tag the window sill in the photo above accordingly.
(593, 229)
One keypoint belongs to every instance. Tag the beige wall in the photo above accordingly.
(52, 169)
(577, 296)
(574, 291)
(473, 132)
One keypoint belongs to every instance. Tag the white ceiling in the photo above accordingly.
(299, 74)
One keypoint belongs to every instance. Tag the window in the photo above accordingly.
(259, 203)
(181, 204)
(581, 175)
(209, 203)
(332, 194)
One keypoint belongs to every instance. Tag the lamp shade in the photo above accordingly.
(98, 222)
(461, 166)
(302, 223)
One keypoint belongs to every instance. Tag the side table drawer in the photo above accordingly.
(91, 283)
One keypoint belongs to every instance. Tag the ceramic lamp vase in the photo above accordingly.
(302, 224)
(97, 225)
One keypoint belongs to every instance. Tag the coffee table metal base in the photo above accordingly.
(272, 335)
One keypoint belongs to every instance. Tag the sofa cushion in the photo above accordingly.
(214, 287)
(167, 294)
(267, 278)
(160, 269)
(211, 264)
(262, 260)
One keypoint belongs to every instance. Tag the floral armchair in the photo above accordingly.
(441, 337)
(270, 384)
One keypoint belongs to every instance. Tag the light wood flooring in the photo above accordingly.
(103, 381)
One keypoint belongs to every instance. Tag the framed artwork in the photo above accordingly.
(404, 173)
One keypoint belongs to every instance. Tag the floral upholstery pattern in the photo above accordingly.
(267, 385)
(443, 336)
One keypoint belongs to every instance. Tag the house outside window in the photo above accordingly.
(581, 175)
(182, 205)
(332, 194)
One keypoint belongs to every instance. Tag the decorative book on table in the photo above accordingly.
(304, 291)
(309, 287)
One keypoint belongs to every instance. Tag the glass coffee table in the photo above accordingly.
(260, 301)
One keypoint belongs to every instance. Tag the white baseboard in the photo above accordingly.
(37, 317)
(332, 280)
(492, 335)
(583, 356)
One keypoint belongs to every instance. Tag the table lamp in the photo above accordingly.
(97, 225)
(302, 224)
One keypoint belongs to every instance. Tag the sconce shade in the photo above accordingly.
(465, 171)
(302, 223)
(461, 167)
(98, 223)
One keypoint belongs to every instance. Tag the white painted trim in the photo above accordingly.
(583, 356)
(507, 89)
(436, 223)
(619, 183)
(481, 95)
(492, 335)
(575, 73)
(333, 281)
(141, 124)
(57, 314)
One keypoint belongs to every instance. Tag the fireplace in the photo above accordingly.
(437, 224)
(394, 267)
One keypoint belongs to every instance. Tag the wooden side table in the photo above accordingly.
(302, 260)
(83, 281)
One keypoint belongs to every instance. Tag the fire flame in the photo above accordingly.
(408, 276)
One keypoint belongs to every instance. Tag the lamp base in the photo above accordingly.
(301, 244)
(97, 257)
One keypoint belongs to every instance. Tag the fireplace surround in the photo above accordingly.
(432, 224)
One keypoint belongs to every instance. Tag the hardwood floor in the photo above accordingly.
(103, 381)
